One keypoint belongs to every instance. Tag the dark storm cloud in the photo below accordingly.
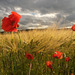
(71, 17)
(57, 5)
(44, 6)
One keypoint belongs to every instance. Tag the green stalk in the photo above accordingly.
(19, 37)
(11, 68)
(30, 67)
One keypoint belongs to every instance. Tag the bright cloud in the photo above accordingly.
(37, 14)
(17, 8)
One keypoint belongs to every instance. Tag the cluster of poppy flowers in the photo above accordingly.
(57, 54)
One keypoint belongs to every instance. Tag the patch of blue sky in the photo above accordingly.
(33, 13)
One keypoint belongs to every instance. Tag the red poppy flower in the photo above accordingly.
(72, 74)
(67, 58)
(10, 24)
(73, 27)
(58, 55)
(49, 64)
(29, 56)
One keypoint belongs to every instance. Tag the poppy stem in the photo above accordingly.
(30, 67)
(11, 62)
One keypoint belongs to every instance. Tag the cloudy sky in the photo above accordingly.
(40, 13)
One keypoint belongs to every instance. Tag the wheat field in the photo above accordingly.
(35, 41)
